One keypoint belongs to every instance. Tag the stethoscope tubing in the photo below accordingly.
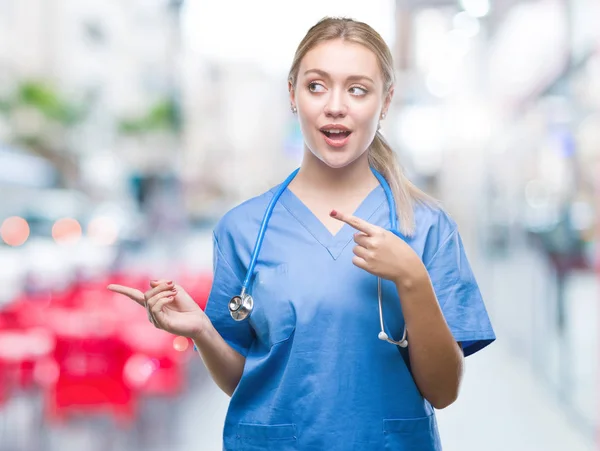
(241, 305)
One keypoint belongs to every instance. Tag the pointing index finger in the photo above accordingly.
(131, 293)
(353, 221)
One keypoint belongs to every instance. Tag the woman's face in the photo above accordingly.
(340, 98)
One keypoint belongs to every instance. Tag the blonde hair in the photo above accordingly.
(381, 155)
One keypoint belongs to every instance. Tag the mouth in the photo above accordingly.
(336, 136)
(335, 133)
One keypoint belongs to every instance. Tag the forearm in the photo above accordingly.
(224, 363)
(436, 359)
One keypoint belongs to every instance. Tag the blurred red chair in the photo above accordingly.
(24, 312)
(27, 315)
(90, 360)
(20, 351)
(100, 351)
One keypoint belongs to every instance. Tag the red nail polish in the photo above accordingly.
(170, 283)
(333, 213)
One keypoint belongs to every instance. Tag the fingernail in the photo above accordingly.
(333, 213)
(170, 283)
(170, 297)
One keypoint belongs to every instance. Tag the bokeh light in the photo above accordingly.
(138, 370)
(103, 231)
(46, 372)
(66, 230)
(14, 231)
(181, 344)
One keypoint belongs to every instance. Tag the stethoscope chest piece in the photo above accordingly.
(241, 306)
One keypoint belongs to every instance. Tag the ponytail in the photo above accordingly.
(406, 194)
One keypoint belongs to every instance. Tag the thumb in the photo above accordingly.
(131, 293)
(155, 283)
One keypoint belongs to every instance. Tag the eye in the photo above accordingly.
(358, 91)
(315, 87)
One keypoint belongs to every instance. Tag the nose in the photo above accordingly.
(336, 105)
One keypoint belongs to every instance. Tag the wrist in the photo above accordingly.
(201, 333)
(412, 280)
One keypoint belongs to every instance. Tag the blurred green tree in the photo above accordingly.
(40, 119)
(162, 116)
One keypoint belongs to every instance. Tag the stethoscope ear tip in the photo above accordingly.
(384, 337)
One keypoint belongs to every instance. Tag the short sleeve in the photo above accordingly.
(459, 296)
(226, 284)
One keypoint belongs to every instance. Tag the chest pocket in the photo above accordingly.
(273, 318)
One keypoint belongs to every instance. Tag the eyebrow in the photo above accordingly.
(324, 74)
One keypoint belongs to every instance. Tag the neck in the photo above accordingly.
(316, 176)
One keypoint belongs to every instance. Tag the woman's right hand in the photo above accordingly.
(169, 307)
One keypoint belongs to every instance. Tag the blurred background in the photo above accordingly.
(127, 128)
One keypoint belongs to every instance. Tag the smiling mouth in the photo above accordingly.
(338, 134)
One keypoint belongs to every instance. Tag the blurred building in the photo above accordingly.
(237, 121)
(116, 60)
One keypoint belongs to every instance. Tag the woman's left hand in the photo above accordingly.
(381, 253)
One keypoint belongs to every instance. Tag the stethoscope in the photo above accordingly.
(241, 306)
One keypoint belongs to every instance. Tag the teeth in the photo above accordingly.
(335, 131)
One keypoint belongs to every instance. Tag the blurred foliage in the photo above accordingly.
(45, 99)
(60, 114)
(4, 106)
(162, 116)
(48, 102)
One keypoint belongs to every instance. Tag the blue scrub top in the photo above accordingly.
(316, 375)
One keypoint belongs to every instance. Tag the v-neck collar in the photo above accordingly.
(334, 244)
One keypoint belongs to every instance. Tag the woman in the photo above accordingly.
(307, 370)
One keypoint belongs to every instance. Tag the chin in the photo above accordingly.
(337, 159)
(337, 163)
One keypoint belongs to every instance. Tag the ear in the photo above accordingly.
(292, 92)
(388, 99)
